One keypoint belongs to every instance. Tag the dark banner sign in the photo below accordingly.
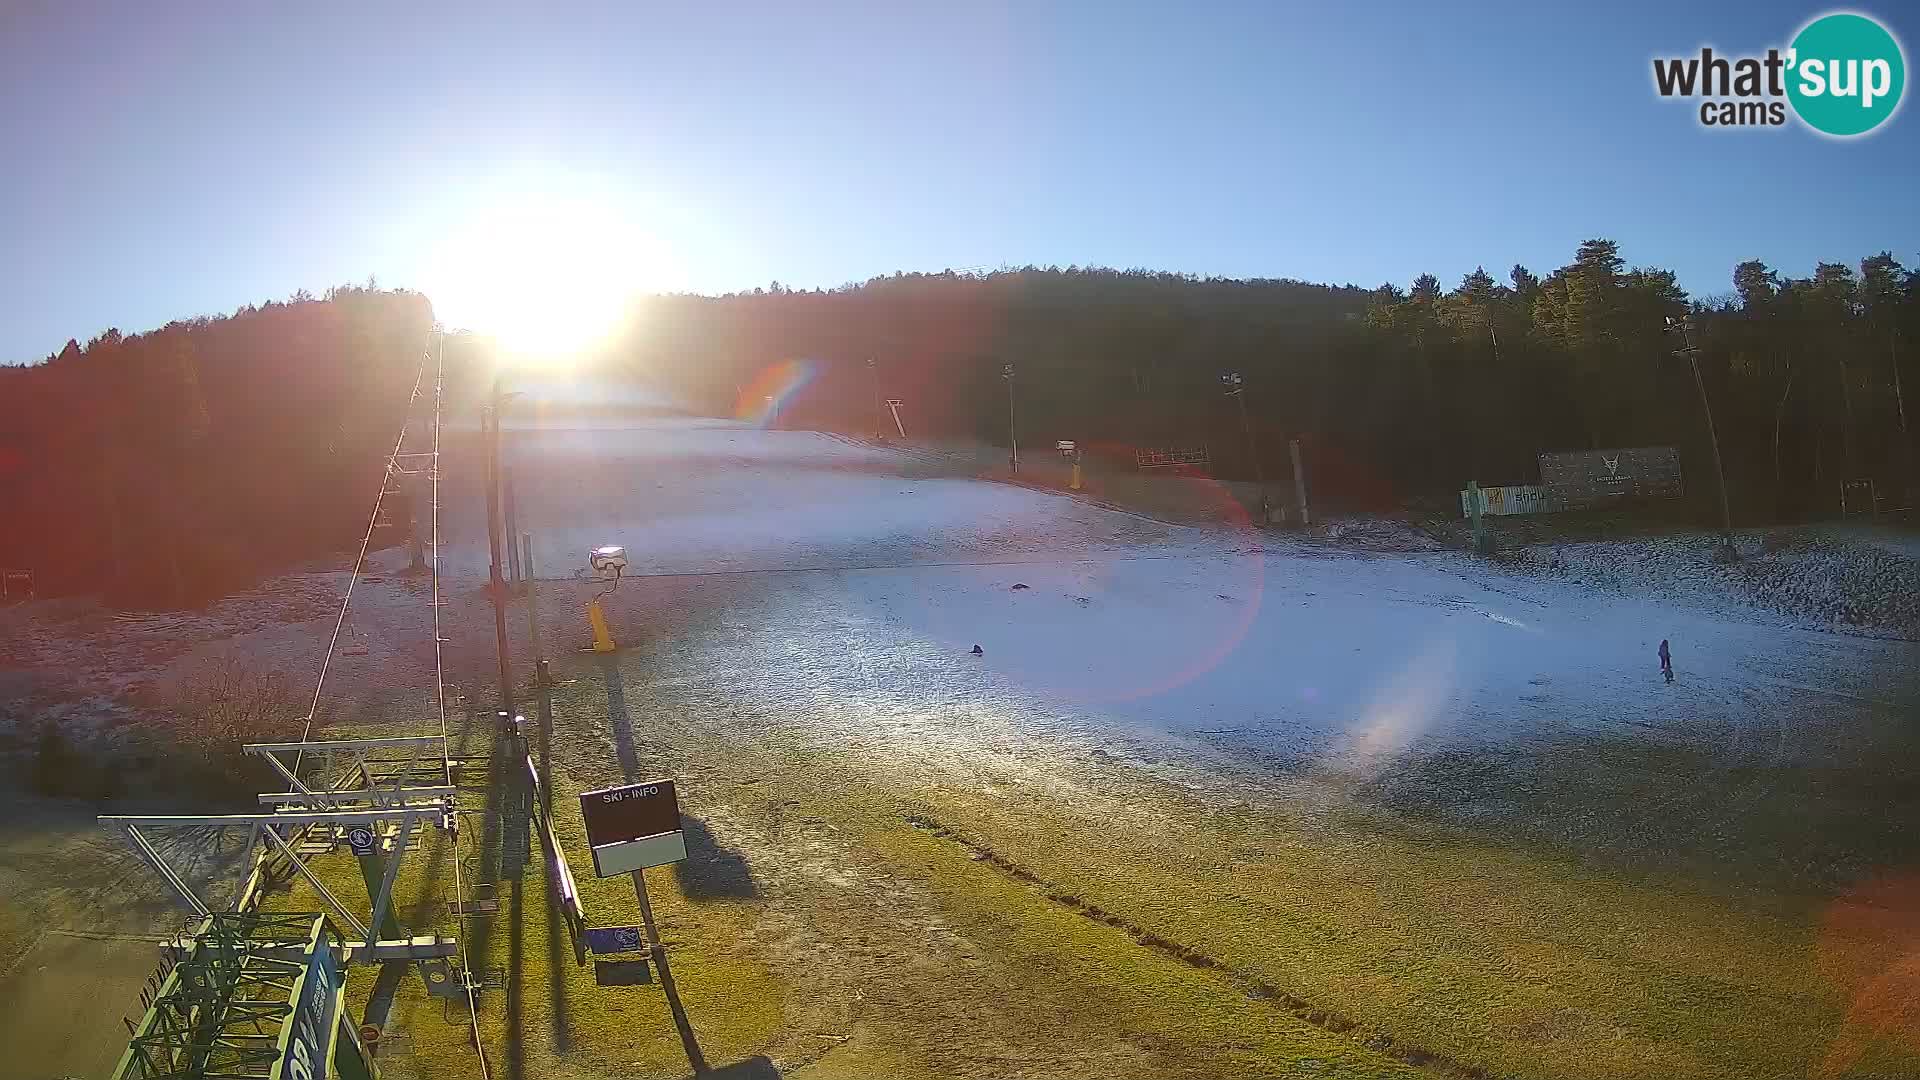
(1580, 478)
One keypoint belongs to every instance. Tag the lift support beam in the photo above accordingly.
(269, 825)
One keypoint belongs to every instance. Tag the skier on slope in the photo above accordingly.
(1666, 660)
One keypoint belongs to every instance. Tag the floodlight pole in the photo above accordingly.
(511, 529)
(1013, 439)
(1237, 389)
(496, 588)
(1692, 352)
(489, 417)
(533, 605)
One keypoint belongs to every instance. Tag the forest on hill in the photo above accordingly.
(1395, 392)
(168, 468)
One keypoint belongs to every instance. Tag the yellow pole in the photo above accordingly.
(602, 640)
(1076, 475)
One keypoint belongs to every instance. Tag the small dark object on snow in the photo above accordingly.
(977, 651)
(1666, 660)
(1020, 585)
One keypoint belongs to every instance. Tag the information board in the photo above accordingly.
(630, 812)
(633, 827)
(1576, 479)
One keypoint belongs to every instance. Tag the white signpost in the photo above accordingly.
(629, 829)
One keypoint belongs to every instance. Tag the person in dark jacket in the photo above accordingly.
(1666, 660)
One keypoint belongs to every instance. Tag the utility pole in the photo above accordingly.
(496, 588)
(1900, 403)
(1300, 483)
(511, 526)
(1237, 388)
(1692, 352)
(533, 607)
(873, 376)
(1013, 439)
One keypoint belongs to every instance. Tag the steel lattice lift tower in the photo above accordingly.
(252, 996)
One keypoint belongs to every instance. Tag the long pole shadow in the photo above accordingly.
(619, 719)
(559, 953)
(504, 796)
(380, 1001)
(709, 870)
(491, 822)
(435, 852)
(733, 876)
(515, 791)
(516, 971)
(754, 1068)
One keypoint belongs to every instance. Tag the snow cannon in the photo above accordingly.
(607, 564)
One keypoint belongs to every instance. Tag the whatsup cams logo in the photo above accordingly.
(1842, 75)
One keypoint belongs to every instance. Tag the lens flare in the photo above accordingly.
(1870, 950)
(761, 401)
(1402, 711)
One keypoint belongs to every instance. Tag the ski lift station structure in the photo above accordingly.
(246, 994)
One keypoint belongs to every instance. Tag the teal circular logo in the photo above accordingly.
(1846, 74)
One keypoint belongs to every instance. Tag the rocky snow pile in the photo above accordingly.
(1375, 534)
(1827, 578)
(1852, 585)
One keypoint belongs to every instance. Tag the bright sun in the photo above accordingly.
(545, 277)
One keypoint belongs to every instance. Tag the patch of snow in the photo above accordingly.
(1824, 578)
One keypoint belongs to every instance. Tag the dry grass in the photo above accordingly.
(853, 916)
(546, 1016)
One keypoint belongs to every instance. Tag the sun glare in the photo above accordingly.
(547, 278)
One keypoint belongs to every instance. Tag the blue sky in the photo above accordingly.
(172, 160)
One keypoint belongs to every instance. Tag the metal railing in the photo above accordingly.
(566, 892)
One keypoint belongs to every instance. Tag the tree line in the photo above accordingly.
(170, 467)
(1396, 393)
(167, 468)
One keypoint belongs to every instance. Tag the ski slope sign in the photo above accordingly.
(633, 827)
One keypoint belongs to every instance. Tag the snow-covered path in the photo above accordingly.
(798, 565)
(695, 495)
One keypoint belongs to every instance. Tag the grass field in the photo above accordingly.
(541, 1014)
(78, 930)
(843, 919)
